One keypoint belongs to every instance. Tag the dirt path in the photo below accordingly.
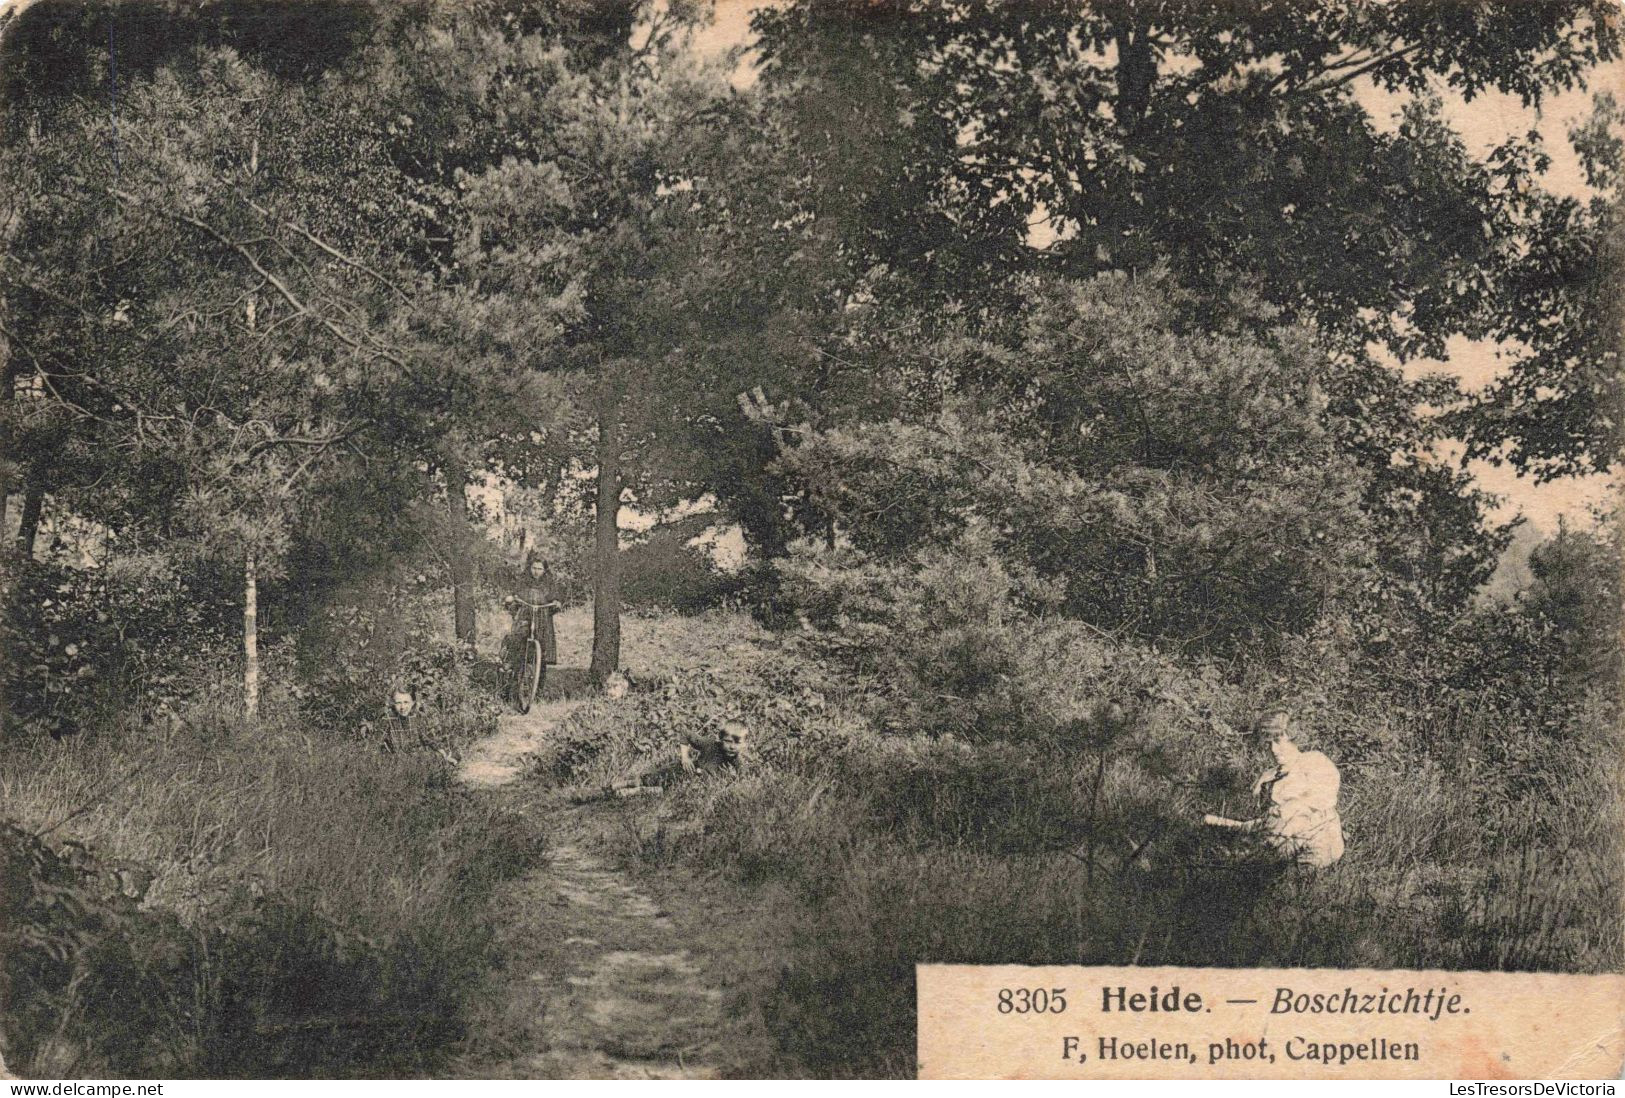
(501, 759)
(607, 987)
(600, 981)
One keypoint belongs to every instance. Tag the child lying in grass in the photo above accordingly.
(725, 755)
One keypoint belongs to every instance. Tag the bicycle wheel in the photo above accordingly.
(529, 681)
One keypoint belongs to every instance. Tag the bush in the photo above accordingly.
(79, 642)
(83, 967)
(377, 638)
(723, 667)
(665, 571)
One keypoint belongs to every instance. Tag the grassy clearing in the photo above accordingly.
(314, 905)
(905, 848)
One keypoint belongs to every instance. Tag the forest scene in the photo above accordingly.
(988, 413)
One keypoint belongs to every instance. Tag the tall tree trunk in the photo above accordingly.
(8, 391)
(606, 591)
(1136, 74)
(33, 504)
(251, 637)
(464, 623)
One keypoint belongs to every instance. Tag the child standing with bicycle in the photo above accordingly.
(534, 593)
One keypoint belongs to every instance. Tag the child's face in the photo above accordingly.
(731, 740)
(537, 568)
(402, 703)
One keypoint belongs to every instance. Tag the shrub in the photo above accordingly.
(725, 668)
(376, 638)
(665, 571)
(79, 642)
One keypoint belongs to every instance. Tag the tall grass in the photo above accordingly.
(313, 908)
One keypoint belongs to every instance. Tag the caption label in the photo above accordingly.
(1067, 1022)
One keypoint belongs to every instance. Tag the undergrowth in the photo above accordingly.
(1032, 833)
(216, 897)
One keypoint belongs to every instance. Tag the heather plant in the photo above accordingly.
(225, 899)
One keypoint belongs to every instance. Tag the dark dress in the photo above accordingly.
(535, 592)
(400, 732)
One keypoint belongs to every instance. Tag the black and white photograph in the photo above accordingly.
(586, 539)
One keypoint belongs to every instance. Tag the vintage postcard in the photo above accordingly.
(956, 539)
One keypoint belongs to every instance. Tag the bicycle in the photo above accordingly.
(530, 669)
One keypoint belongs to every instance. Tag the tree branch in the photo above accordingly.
(356, 264)
(281, 287)
(320, 441)
(1309, 87)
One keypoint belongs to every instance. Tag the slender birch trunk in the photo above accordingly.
(8, 390)
(606, 595)
(464, 623)
(251, 638)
